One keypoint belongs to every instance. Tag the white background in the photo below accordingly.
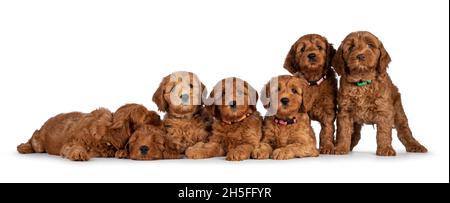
(60, 56)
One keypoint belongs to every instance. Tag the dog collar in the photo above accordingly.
(284, 122)
(363, 83)
(317, 82)
(238, 120)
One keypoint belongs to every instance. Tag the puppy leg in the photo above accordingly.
(404, 132)
(384, 139)
(344, 134)
(327, 135)
(122, 154)
(204, 150)
(356, 136)
(263, 151)
(34, 145)
(295, 150)
(241, 152)
(75, 152)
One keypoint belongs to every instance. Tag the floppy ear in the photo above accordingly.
(338, 62)
(158, 96)
(330, 54)
(290, 63)
(153, 118)
(265, 96)
(384, 60)
(204, 94)
(307, 100)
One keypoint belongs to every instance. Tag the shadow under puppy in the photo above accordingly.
(287, 128)
(181, 95)
(310, 58)
(81, 136)
(368, 96)
(236, 128)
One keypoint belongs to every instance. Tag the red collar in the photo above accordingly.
(284, 122)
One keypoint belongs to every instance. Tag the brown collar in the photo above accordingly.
(238, 120)
(284, 122)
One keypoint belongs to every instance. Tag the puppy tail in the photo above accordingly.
(27, 148)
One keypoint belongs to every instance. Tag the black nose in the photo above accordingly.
(144, 149)
(232, 104)
(184, 97)
(361, 57)
(312, 56)
(285, 101)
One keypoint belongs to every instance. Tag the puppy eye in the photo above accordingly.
(294, 91)
(320, 48)
(370, 46)
(191, 86)
(302, 49)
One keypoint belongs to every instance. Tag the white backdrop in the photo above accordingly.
(59, 56)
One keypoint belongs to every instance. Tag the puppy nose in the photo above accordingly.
(144, 149)
(285, 101)
(184, 98)
(361, 57)
(311, 56)
(232, 104)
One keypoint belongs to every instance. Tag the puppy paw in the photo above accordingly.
(283, 154)
(341, 150)
(260, 154)
(25, 148)
(75, 153)
(386, 151)
(416, 148)
(237, 155)
(327, 148)
(195, 153)
(121, 154)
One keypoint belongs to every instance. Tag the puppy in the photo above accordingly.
(236, 128)
(310, 58)
(287, 127)
(81, 136)
(181, 95)
(368, 96)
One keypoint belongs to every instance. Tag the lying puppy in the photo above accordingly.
(310, 58)
(287, 127)
(368, 96)
(181, 95)
(236, 129)
(80, 136)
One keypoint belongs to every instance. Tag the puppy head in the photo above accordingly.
(146, 143)
(361, 57)
(285, 96)
(127, 119)
(232, 99)
(180, 94)
(310, 54)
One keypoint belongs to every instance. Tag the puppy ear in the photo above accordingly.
(384, 60)
(153, 118)
(338, 62)
(330, 54)
(204, 93)
(158, 96)
(265, 96)
(307, 100)
(290, 63)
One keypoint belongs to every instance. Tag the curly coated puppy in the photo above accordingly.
(81, 136)
(287, 128)
(368, 96)
(181, 95)
(310, 58)
(236, 129)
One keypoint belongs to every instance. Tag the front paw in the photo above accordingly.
(386, 151)
(260, 154)
(237, 155)
(195, 153)
(121, 154)
(283, 154)
(416, 148)
(327, 148)
(341, 150)
(76, 154)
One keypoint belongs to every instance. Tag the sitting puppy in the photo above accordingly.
(236, 129)
(181, 95)
(79, 136)
(310, 59)
(287, 127)
(148, 143)
(368, 96)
